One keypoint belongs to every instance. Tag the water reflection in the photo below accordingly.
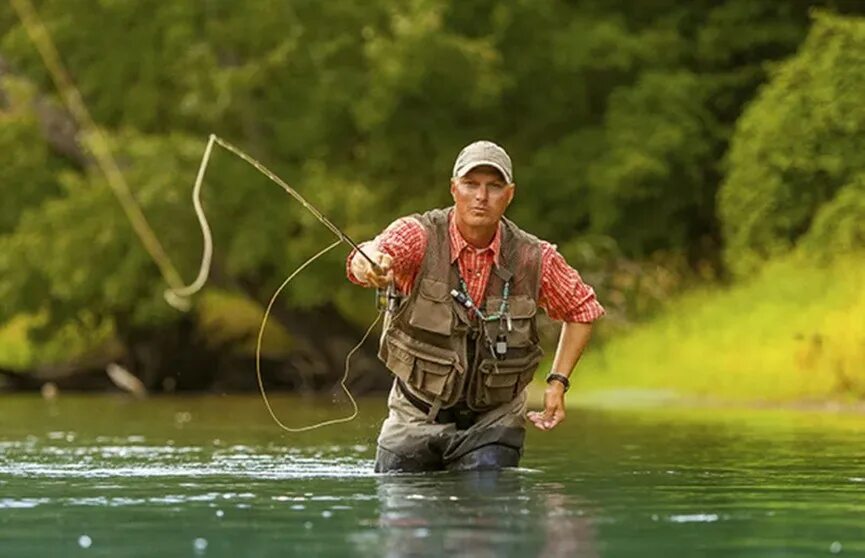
(479, 514)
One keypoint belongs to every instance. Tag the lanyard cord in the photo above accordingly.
(469, 303)
(462, 296)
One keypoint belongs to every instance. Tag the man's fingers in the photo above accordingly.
(379, 280)
(538, 419)
(366, 271)
(376, 280)
(369, 272)
(546, 419)
(384, 261)
(554, 417)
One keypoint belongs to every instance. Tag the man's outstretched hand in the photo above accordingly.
(554, 408)
(363, 270)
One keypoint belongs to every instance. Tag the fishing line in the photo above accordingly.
(177, 295)
(347, 358)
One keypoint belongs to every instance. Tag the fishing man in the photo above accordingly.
(463, 343)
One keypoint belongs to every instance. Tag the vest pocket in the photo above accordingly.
(432, 377)
(522, 310)
(424, 367)
(501, 381)
(432, 308)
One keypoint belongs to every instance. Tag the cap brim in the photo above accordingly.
(461, 172)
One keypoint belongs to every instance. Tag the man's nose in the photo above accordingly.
(481, 193)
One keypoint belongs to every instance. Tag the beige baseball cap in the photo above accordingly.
(483, 153)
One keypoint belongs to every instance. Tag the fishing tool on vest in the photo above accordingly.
(388, 298)
(177, 295)
(499, 348)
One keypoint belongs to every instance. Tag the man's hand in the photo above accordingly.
(554, 408)
(363, 270)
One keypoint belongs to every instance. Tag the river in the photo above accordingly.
(213, 476)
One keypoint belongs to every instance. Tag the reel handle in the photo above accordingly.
(387, 299)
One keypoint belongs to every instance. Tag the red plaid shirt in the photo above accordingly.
(563, 294)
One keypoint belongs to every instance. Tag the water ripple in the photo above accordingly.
(140, 461)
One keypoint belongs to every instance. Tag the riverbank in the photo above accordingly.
(793, 332)
(792, 335)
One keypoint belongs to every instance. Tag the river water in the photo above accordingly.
(213, 476)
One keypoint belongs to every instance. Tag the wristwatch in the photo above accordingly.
(554, 376)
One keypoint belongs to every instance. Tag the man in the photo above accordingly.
(463, 344)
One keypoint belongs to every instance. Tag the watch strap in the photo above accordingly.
(561, 378)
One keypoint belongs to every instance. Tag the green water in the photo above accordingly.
(213, 476)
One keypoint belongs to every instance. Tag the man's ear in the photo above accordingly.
(511, 190)
(454, 189)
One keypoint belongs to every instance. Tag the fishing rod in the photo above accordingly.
(387, 299)
(94, 139)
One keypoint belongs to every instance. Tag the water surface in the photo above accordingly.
(213, 476)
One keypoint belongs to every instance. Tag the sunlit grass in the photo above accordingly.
(15, 349)
(794, 331)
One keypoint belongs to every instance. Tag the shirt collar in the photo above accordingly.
(458, 243)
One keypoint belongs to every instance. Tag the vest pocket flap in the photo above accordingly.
(410, 348)
(522, 307)
(424, 367)
(502, 378)
(434, 290)
(436, 368)
(399, 361)
(432, 309)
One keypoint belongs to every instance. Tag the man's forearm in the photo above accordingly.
(572, 341)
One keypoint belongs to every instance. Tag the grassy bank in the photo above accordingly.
(794, 331)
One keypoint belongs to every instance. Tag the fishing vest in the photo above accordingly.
(442, 353)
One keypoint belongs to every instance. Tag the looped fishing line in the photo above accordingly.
(347, 358)
(204, 271)
(177, 295)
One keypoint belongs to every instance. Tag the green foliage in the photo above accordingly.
(615, 113)
(655, 91)
(797, 158)
(660, 136)
(30, 171)
(839, 225)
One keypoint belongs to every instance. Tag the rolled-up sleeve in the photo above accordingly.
(563, 294)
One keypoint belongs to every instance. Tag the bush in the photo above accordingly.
(798, 153)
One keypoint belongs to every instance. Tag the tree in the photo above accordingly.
(796, 160)
(615, 113)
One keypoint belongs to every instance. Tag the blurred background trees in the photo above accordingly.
(623, 119)
(796, 166)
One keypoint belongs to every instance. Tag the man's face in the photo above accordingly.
(481, 196)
